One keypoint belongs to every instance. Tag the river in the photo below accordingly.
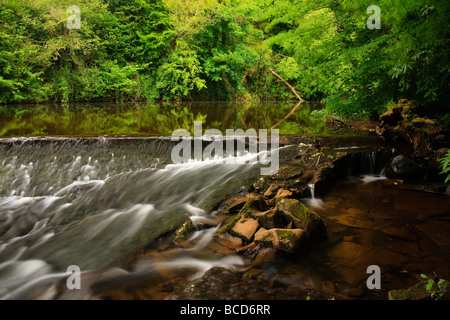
(94, 187)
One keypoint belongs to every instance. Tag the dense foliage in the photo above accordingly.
(216, 49)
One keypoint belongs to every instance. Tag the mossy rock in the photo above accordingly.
(287, 240)
(246, 211)
(184, 230)
(269, 219)
(416, 292)
(302, 217)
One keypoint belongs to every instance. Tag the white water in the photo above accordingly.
(314, 202)
(63, 205)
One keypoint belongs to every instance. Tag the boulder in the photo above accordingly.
(302, 217)
(402, 167)
(281, 239)
(269, 219)
(245, 228)
(416, 292)
(229, 241)
(234, 204)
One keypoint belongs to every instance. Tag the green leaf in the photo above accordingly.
(430, 285)
(423, 276)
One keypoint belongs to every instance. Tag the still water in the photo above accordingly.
(155, 119)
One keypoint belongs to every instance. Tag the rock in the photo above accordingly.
(281, 239)
(245, 228)
(302, 217)
(229, 241)
(402, 167)
(416, 292)
(282, 193)
(271, 191)
(269, 219)
(448, 191)
(219, 248)
(184, 230)
(234, 204)
(245, 248)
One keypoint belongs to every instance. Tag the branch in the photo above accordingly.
(287, 84)
(193, 18)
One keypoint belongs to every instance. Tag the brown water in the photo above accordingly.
(381, 222)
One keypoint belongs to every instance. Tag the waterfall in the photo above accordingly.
(96, 203)
(314, 202)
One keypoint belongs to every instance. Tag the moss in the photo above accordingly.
(184, 230)
(285, 235)
(245, 212)
(268, 237)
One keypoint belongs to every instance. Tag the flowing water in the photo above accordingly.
(100, 202)
(95, 203)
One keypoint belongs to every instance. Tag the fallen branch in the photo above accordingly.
(287, 84)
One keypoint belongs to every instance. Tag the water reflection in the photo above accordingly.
(151, 119)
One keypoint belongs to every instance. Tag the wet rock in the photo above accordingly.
(402, 167)
(184, 230)
(269, 219)
(260, 255)
(234, 204)
(246, 248)
(282, 193)
(271, 191)
(216, 247)
(448, 191)
(416, 292)
(302, 217)
(245, 228)
(229, 241)
(261, 184)
(281, 239)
